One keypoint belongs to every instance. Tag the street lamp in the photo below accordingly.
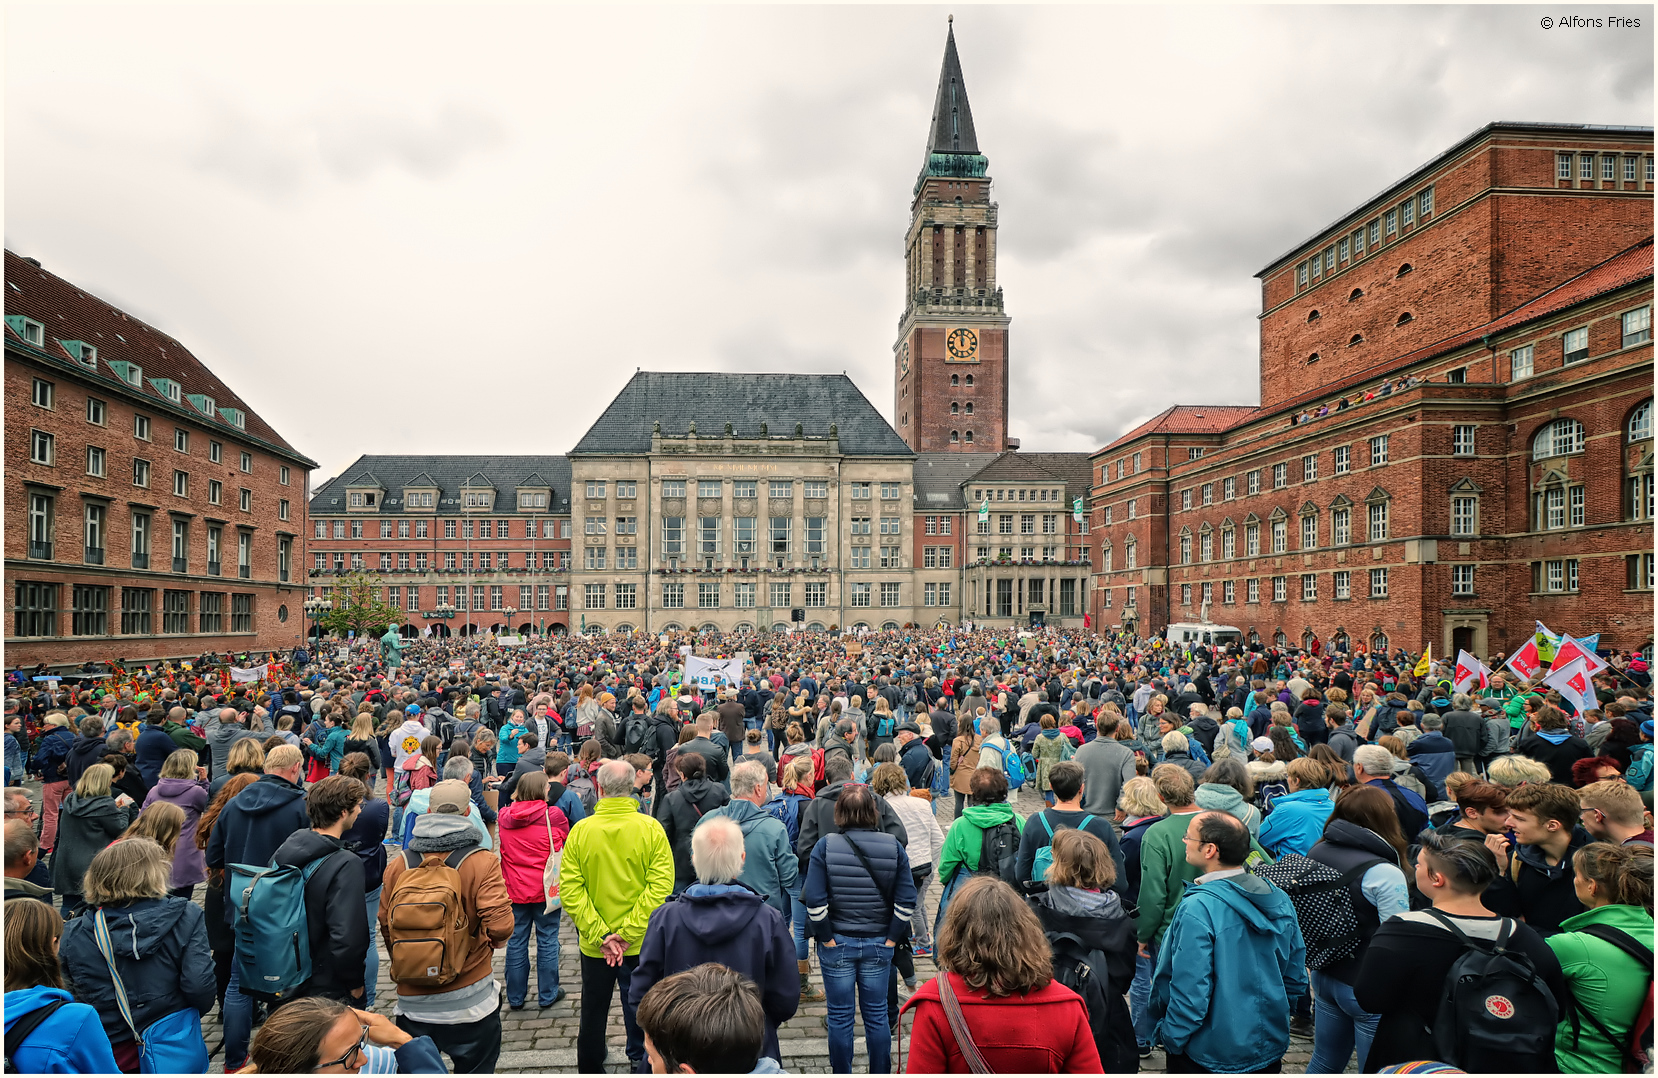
(444, 611)
(314, 609)
(509, 612)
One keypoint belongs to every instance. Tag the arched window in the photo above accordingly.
(1254, 639)
(1358, 293)
(624, 628)
(1313, 358)
(595, 630)
(1307, 639)
(1639, 427)
(969, 437)
(955, 408)
(955, 436)
(1357, 338)
(969, 407)
(1557, 439)
(1404, 269)
(1312, 315)
(1280, 640)
(892, 626)
(955, 379)
(1340, 642)
(970, 379)
(1403, 318)
(742, 627)
(1378, 643)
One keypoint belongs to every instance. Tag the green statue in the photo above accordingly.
(391, 648)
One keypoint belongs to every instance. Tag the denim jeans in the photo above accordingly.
(856, 972)
(371, 963)
(797, 913)
(237, 1014)
(599, 980)
(525, 914)
(1339, 1026)
(1139, 996)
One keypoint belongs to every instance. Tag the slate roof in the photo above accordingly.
(1013, 466)
(71, 314)
(711, 399)
(939, 478)
(449, 474)
(945, 137)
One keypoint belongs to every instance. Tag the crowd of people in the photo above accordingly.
(1106, 846)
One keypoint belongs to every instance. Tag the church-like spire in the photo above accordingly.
(952, 117)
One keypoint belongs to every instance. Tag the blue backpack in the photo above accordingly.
(1045, 854)
(784, 810)
(273, 944)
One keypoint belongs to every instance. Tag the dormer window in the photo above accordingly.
(362, 499)
(168, 388)
(1312, 316)
(1406, 317)
(87, 356)
(202, 404)
(31, 331)
(235, 417)
(130, 373)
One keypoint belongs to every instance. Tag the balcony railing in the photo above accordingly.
(94, 555)
(181, 565)
(244, 571)
(212, 568)
(42, 551)
(140, 561)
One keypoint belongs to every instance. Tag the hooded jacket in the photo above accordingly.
(254, 824)
(220, 737)
(153, 747)
(70, 1041)
(85, 826)
(531, 832)
(1344, 739)
(1040, 1032)
(52, 753)
(483, 895)
(817, 818)
(161, 952)
(1214, 796)
(1379, 893)
(1599, 974)
(963, 844)
(1436, 755)
(1096, 921)
(189, 863)
(1230, 963)
(733, 926)
(335, 916)
(771, 867)
(1296, 822)
(85, 752)
(1541, 893)
(682, 810)
(1556, 749)
(528, 762)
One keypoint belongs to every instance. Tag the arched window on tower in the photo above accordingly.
(969, 407)
(955, 436)
(955, 409)
(955, 379)
(970, 379)
(969, 437)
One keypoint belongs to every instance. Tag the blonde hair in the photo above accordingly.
(1512, 771)
(95, 781)
(282, 758)
(180, 764)
(1081, 860)
(163, 821)
(1139, 798)
(362, 728)
(248, 754)
(125, 872)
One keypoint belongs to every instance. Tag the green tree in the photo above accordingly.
(358, 607)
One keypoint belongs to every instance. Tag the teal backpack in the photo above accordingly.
(273, 944)
(1045, 855)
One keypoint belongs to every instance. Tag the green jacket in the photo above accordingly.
(616, 869)
(184, 739)
(1165, 872)
(1592, 968)
(962, 844)
(1516, 708)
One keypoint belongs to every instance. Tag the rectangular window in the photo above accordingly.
(497, 600)
(244, 555)
(181, 440)
(1137, 456)
(1280, 476)
(1280, 589)
(627, 596)
(889, 594)
(241, 613)
(890, 526)
(1639, 568)
(890, 490)
(1375, 233)
(1463, 516)
(889, 557)
(673, 537)
(1185, 595)
(860, 594)
(543, 596)
(627, 557)
(1309, 587)
(1520, 363)
(181, 546)
(817, 594)
(1228, 592)
(1637, 326)
(814, 488)
(1309, 467)
(708, 536)
(44, 393)
(1462, 439)
(1343, 584)
(1408, 213)
(595, 558)
(89, 611)
(929, 595)
(42, 448)
(1424, 203)
(135, 611)
(1378, 450)
(627, 490)
(212, 612)
(745, 535)
(780, 594)
(1228, 490)
(1253, 482)
(593, 597)
(247, 462)
(1585, 167)
(859, 558)
(1185, 499)
(710, 488)
(860, 490)
(671, 488)
(1228, 545)
(95, 520)
(141, 427)
(1341, 526)
(817, 536)
(1301, 275)
(215, 491)
(1131, 507)
(1341, 458)
(1358, 244)
(1341, 250)
(1554, 508)
(1378, 583)
(1252, 540)
(779, 534)
(1576, 344)
(1563, 166)
(1280, 536)
(1392, 223)
(1027, 521)
(596, 487)
(175, 611)
(780, 488)
(246, 500)
(1378, 521)
(1575, 503)
(1462, 580)
(1607, 166)
(1309, 533)
(95, 461)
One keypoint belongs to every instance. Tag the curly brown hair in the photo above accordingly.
(993, 941)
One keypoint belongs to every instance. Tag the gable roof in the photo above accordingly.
(449, 474)
(676, 399)
(939, 478)
(71, 314)
(1190, 419)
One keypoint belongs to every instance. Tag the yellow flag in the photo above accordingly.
(1427, 659)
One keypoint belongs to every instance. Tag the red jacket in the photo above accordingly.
(1048, 1034)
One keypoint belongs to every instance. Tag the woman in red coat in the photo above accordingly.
(999, 972)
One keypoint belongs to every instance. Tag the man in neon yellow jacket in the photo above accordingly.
(617, 868)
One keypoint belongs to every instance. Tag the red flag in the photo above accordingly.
(1525, 661)
(1468, 671)
(1571, 650)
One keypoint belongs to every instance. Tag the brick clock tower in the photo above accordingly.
(950, 360)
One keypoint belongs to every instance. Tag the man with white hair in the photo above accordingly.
(771, 867)
(458, 769)
(718, 919)
(1373, 766)
(617, 868)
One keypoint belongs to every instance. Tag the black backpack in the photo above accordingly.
(1494, 1006)
(1323, 901)
(636, 734)
(1083, 970)
(999, 851)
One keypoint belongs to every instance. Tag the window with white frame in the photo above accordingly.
(1341, 457)
(1377, 515)
(1309, 532)
(1378, 450)
(1280, 536)
(1637, 326)
(1228, 592)
(1252, 539)
(1252, 590)
(1342, 582)
(1280, 589)
(1309, 587)
(1253, 482)
(1557, 439)
(1462, 439)
(1280, 476)
(1228, 489)
(1309, 467)
(1520, 363)
(1228, 543)
(1464, 515)
(1576, 344)
(1378, 583)
(1462, 580)
(1341, 526)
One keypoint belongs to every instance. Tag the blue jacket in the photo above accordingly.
(731, 925)
(51, 753)
(154, 746)
(842, 899)
(771, 866)
(1230, 963)
(254, 824)
(331, 749)
(1297, 821)
(161, 952)
(917, 763)
(1435, 754)
(71, 1041)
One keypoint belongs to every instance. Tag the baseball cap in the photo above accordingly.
(1261, 744)
(450, 796)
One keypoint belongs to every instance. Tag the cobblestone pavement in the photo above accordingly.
(535, 1040)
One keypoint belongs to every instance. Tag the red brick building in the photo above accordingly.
(455, 541)
(1455, 436)
(151, 512)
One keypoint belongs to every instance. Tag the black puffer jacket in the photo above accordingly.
(682, 810)
(843, 899)
(1345, 847)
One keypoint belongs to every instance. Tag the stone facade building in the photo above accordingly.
(150, 511)
(1455, 435)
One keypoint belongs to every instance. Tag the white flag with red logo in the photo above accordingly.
(1573, 682)
(1470, 672)
(1571, 650)
(1525, 661)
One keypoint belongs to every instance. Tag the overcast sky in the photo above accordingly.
(399, 229)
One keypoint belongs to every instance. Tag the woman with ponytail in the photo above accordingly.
(1610, 988)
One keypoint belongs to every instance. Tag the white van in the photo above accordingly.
(1192, 634)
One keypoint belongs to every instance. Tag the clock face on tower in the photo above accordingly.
(962, 344)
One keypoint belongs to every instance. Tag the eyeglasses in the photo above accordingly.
(350, 1055)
